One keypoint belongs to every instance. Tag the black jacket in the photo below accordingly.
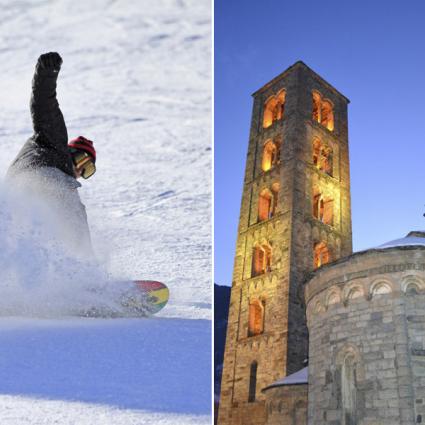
(48, 147)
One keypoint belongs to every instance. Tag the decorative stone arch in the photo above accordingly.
(318, 307)
(380, 286)
(352, 291)
(350, 349)
(412, 284)
(333, 297)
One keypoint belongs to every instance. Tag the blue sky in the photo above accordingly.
(374, 53)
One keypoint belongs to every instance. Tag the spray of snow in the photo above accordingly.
(39, 274)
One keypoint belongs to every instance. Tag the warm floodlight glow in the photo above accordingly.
(264, 205)
(274, 109)
(323, 111)
(261, 259)
(321, 254)
(322, 157)
(270, 155)
(256, 318)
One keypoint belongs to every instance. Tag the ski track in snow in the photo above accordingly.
(136, 79)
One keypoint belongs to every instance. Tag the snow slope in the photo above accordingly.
(136, 79)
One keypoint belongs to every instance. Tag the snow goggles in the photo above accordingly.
(84, 162)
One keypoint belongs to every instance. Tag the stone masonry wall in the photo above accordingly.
(286, 405)
(282, 347)
(370, 310)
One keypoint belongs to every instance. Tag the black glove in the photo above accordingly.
(50, 62)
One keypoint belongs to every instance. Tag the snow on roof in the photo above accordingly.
(413, 238)
(297, 378)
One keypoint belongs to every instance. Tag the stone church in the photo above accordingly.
(300, 296)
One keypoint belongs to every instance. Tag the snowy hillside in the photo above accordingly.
(136, 79)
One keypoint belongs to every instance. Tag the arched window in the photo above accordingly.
(270, 155)
(280, 105)
(265, 202)
(322, 111)
(274, 109)
(322, 157)
(275, 193)
(323, 208)
(321, 254)
(348, 390)
(316, 107)
(252, 381)
(327, 115)
(256, 318)
(261, 259)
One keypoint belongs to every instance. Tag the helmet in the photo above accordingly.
(83, 144)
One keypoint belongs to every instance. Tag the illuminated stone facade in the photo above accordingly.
(288, 234)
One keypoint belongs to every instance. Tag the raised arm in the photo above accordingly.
(46, 115)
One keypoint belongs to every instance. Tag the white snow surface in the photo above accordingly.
(136, 79)
(406, 241)
(299, 377)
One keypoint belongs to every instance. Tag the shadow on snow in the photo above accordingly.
(148, 364)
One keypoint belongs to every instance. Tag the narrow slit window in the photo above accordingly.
(252, 382)
(348, 391)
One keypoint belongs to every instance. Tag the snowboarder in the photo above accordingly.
(48, 166)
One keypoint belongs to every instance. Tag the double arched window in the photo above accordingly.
(322, 157)
(271, 155)
(267, 202)
(261, 259)
(323, 111)
(321, 254)
(274, 109)
(256, 318)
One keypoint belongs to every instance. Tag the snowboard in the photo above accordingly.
(137, 298)
(149, 297)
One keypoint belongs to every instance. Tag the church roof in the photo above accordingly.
(414, 238)
(297, 378)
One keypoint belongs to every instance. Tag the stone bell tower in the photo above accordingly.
(295, 216)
